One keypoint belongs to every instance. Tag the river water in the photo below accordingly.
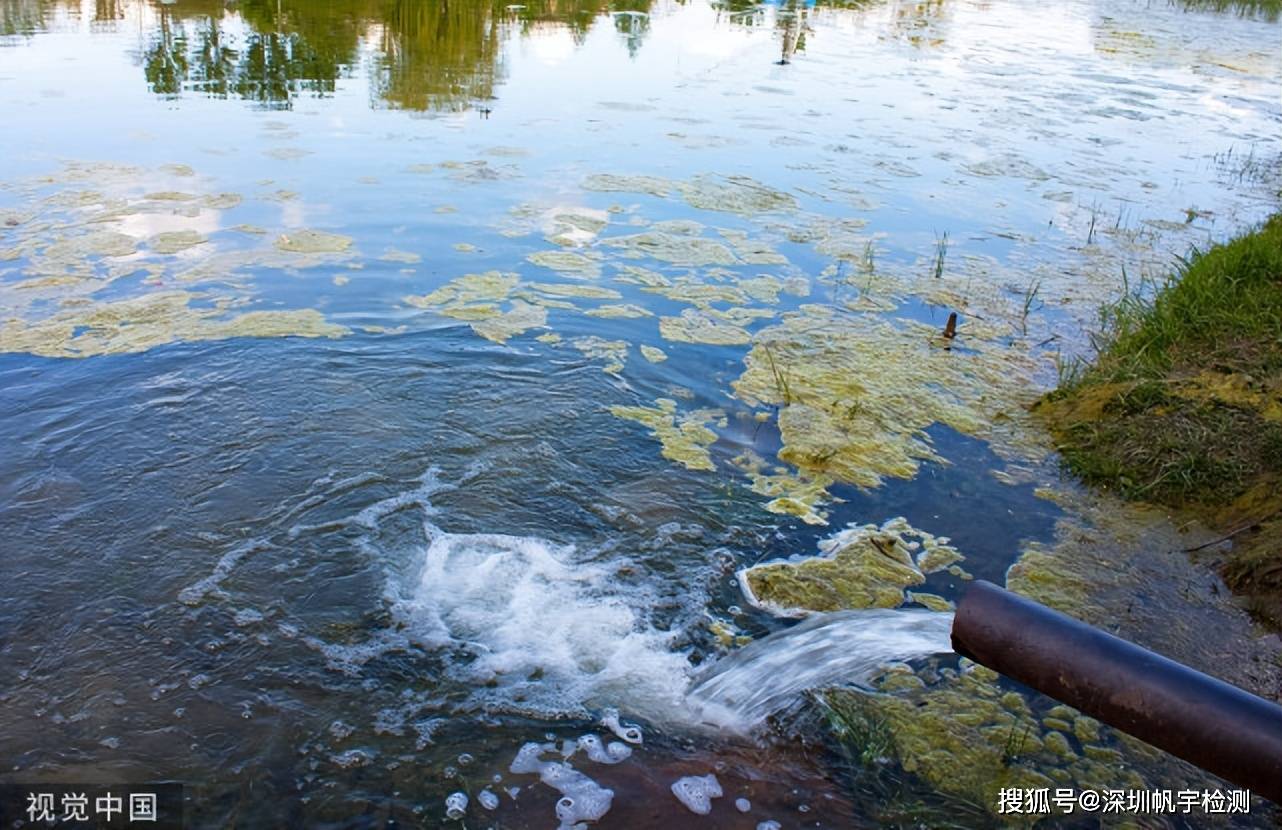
(294, 515)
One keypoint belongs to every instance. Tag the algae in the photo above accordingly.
(567, 262)
(700, 327)
(619, 311)
(653, 353)
(856, 394)
(613, 352)
(174, 241)
(673, 248)
(863, 566)
(519, 318)
(141, 323)
(307, 241)
(685, 438)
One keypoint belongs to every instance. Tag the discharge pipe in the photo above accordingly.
(1194, 716)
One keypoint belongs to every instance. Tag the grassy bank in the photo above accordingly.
(1183, 404)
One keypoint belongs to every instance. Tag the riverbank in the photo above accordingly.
(1182, 407)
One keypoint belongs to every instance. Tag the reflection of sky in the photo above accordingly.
(895, 103)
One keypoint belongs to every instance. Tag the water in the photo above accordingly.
(279, 525)
(842, 648)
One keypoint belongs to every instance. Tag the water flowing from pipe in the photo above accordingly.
(841, 648)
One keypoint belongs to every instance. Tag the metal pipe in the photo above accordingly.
(1205, 721)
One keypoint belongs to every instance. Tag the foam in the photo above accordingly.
(582, 799)
(528, 626)
(696, 792)
(456, 805)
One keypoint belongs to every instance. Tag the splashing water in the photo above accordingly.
(841, 648)
(527, 625)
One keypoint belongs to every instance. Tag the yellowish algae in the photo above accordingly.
(685, 438)
(141, 323)
(752, 251)
(863, 566)
(492, 286)
(790, 494)
(613, 352)
(619, 311)
(636, 275)
(172, 242)
(855, 394)
(563, 289)
(394, 255)
(677, 249)
(730, 194)
(653, 353)
(307, 241)
(695, 326)
(611, 183)
(567, 262)
(519, 318)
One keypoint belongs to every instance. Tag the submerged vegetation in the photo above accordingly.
(1183, 405)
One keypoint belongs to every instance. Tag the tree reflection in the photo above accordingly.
(442, 55)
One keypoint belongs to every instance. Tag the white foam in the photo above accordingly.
(455, 805)
(582, 799)
(527, 625)
(696, 792)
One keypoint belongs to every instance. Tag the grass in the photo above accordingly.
(1182, 405)
(1266, 9)
(941, 252)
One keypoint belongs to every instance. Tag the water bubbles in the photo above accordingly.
(450, 771)
(743, 805)
(455, 806)
(769, 824)
(464, 759)
(696, 792)
(487, 799)
(629, 733)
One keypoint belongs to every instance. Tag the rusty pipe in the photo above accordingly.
(1194, 716)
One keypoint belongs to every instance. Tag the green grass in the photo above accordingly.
(1172, 410)
(1266, 9)
(1222, 308)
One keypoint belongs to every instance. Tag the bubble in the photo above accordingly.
(696, 792)
(455, 805)
(488, 799)
(743, 805)
(769, 824)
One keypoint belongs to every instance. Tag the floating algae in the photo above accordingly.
(307, 241)
(863, 566)
(611, 183)
(394, 255)
(699, 294)
(491, 286)
(856, 393)
(790, 495)
(613, 352)
(674, 248)
(752, 251)
(562, 289)
(142, 323)
(636, 275)
(619, 311)
(734, 194)
(653, 353)
(567, 262)
(695, 326)
(685, 438)
(521, 317)
(172, 242)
